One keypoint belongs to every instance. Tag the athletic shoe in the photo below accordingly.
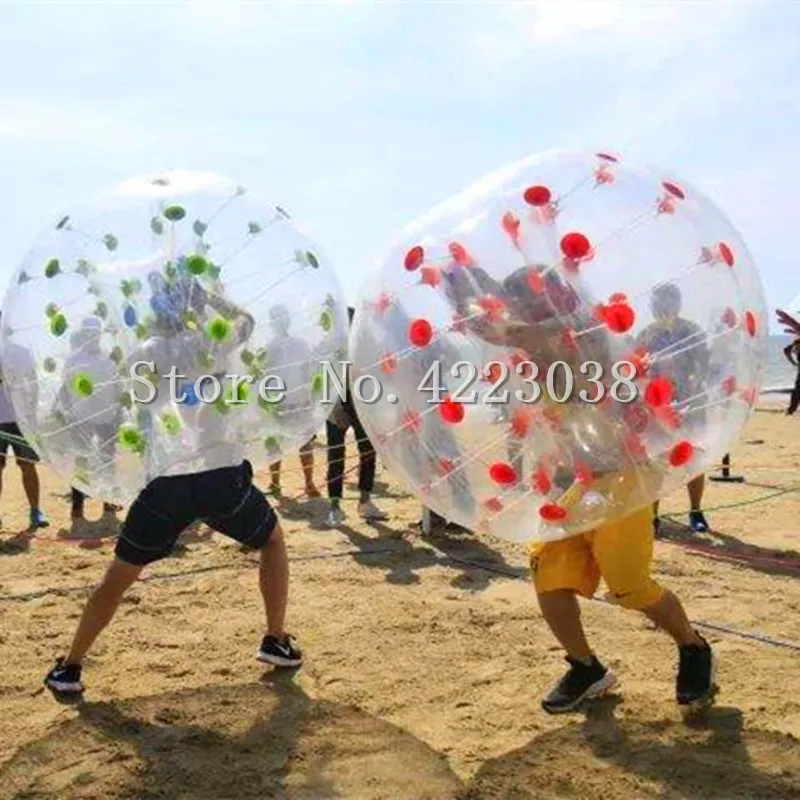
(696, 674)
(64, 678)
(582, 682)
(370, 512)
(335, 518)
(38, 519)
(280, 653)
(697, 522)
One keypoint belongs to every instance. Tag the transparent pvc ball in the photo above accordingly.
(175, 324)
(558, 346)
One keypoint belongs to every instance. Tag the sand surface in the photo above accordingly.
(426, 660)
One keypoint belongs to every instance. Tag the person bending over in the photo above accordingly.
(620, 552)
(222, 495)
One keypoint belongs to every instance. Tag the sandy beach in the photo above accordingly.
(426, 659)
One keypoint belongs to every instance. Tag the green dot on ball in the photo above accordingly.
(126, 401)
(174, 213)
(271, 443)
(58, 325)
(49, 365)
(218, 329)
(52, 268)
(83, 267)
(116, 355)
(131, 438)
(101, 311)
(317, 383)
(326, 321)
(199, 227)
(141, 331)
(111, 242)
(157, 226)
(83, 385)
(205, 359)
(312, 259)
(51, 310)
(253, 228)
(196, 264)
(171, 423)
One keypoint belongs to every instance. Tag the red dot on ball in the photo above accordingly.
(430, 276)
(451, 412)
(619, 317)
(575, 245)
(537, 195)
(729, 385)
(659, 392)
(420, 333)
(414, 257)
(459, 254)
(552, 512)
(750, 323)
(681, 454)
(503, 473)
(726, 253)
(674, 190)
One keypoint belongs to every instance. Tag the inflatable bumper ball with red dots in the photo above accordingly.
(573, 337)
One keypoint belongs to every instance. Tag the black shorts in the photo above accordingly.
(10, 436)
(225, 499)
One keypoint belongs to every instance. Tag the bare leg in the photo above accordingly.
(275, 478)
(562, 614)
(102, 606)
(307, 463)
(696, 488)
(30, 482)
(274, 581)
(669, 615)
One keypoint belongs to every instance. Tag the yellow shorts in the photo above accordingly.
(619, 552)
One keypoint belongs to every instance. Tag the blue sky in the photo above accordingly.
(357, 117)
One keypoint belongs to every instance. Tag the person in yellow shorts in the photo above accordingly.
(619, 552)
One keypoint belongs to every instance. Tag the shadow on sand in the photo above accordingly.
(607, 757)
(259, 740)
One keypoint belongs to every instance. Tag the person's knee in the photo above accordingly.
(275, 540)
(640, 598)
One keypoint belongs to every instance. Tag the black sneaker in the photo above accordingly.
(697, 522)
(64, 678)
(280, 652)
(582, 682)
(696, 674)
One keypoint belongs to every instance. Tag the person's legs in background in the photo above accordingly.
(78, 501)
(366, 475)
(336, 450)
(27, 460)
(275, 479)
(307, 463)
(794, 401)
(697, 521)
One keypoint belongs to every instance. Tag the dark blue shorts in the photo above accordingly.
(225, 499)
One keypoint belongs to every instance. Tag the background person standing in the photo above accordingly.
(11, 437)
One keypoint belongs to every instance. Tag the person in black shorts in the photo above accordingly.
(227, 501)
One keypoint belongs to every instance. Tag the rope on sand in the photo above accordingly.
(441, 558)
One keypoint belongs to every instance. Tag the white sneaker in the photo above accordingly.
(369, 511)
(336, 517)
